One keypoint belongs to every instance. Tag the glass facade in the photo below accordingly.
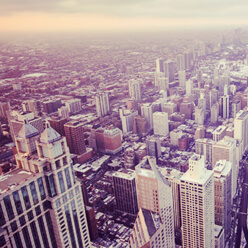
(50, 186)
(17, 201)
(35, 235)
(51, 231)
(61, 182)
(68, 179)
(18, 240)
(43, 232)
(2, 219)
(70, 227)
(8, 207)
(26, 237)
(25, 197)
(34, 193)
(41, 188)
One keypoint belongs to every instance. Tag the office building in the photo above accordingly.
(44, 205)
(125, 192)
(140, 125)
(74, 106)
(222, 195)
(51, 106)
(214, 113)
(127, 119)
(225, 149)
(169, 70)
(134, 89)
(160, 123)
(182, 78)
(64, 112)
(146, 111)
(197, 205)
(153, 146)
(199, 115)
(169, 107)
(74, 132)
(241, 129)
(159, 65)
(225, 112)
(57, 123)
(155, 195)
(180, 62)
(32, 106)
(187, 109)
(163, 83)
(4, 108)
(189, 87)
(236, 107)
(112, 140)
(219, 133)
(102, 104)
(187, 59)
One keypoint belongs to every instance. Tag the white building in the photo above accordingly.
(189, 87)
(160, 123)
(134, 89)
(74, 106)
(197, 205)
(225, 106)
(182, 78)
(64, 112)
(219, 133)
(199, 115)
(102, 104)
(214, 112)
(163, 83)
(159, 65)
(127, 118)
(180, 63)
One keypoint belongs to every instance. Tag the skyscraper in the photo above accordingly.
(153, 147)
(180, 62)
(146, 111)
(134, 89)
(169, 70)
(44, 206)
(197, 205)
(155, 195)
(159, 65)
(182, 78)
(125, 192)
(225, 106)
(74, 133)
(160, 123)
(102, 104)
(74, 106)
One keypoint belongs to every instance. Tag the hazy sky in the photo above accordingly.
(119, 15)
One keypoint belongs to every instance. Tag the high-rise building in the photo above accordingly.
(134, 89)
(182, 78)
(125, 192)
(51, 106)
(241, 129)
(180, 62)
(169, 70)
(187, 109)
(159, 65)
(202, 103)
(146, 111)
(214, 113)
(127, 118)
(187, 59)
(197, 205)
(153, 146)
(112, 140)
(189, 87)
(32, 106)
(154, 194)
(205, 147)
(225, 149)
(74, 106)
(140, 125)
(199, 115)
(236, 107)
(64, 112)
(222, 195)
(74, 132)
(57, 123)
(219, 133)
(225, 106)
(102, 104)
(163, 83)
(43, 207)
(160, 123)
(4, 107)
(169, 107)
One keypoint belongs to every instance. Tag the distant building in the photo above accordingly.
(102, 104)
(199, 115)
(159, 65)
(134, 89)
(153, 147)
(169, 70)
(146, 111)
(51, 106)
(187, 109)
(57, 123)
(219, 133)
(214, 113)
(4, 108)
(74, 106)
(182, 78)
(64, 112)
(160, 123)
(140, 125)
(127, 119)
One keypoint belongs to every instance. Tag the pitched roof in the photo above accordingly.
(49, 135)
(27, 130)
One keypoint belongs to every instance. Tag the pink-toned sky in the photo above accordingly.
(119, 15)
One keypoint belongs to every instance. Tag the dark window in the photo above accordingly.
(2, 219)
(51, 231)
(33, 192)
(43, 232)
(61, 182)
(35, 235)
(30, 215)
(72, 172)
(2, 241)
(13, 226)
(50, 186)
(38, 210)
(74, 212)
(26, 237)
(41, 188)
(47, 205)
(26, 197)
(8, 207)
(68, 179)
(18, 240)
(22, 220)
(70, 227)
(17, 201)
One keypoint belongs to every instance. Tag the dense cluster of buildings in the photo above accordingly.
(140, 153)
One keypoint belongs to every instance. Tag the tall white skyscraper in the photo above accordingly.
(154, 194)
(169, 70)
(134, 89)
(189, 87)
(127, 118)
(44, 206)
(197, 205)
(199, 115)
(182, 78)
(146, 111)
(160, 123)
(241, 129)
(163, 83)
(225, 106)
(102, 104)
(159, 65)
(225, 149)
(180, 62)
(187, 59)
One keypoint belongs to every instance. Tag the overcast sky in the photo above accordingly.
(119, 15)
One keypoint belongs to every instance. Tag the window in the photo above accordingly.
(8, 207)
(50, 186)
(17, 201)
(22, 220)
(2, 219)
(30, 215)
(26, 237)
(51, 231)
(13, 226)
(25, 197)
(33, 192)
(38, 210)
(68, 179)
(43, 232)
(35, 235)
(41, 188)
(18, 240)
(61, 182)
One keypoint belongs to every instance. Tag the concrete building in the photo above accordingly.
(74, 105)
(180, 62)
(199, 116)
(57, 123)
(182, 78)
(189, 87)
(127, 119)
(125, 192)
(219, 133)
(187, 109)
(4, 108)
(200, 132)
(214, 113)
(154, 194)
(197, 205)
(44, 206)
(169, 70)
(153, 146)
(225, 149)
(146, 111)
(159, 65)
(236, 107)
(112, 140)
(225, 106)
(163, 83)
(160, 123)
(140, 125)
(222, 195)
(64, 112)
(169, 107)
(134, 89)
(102, 104)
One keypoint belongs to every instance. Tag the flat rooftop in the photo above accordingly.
(13, 178)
